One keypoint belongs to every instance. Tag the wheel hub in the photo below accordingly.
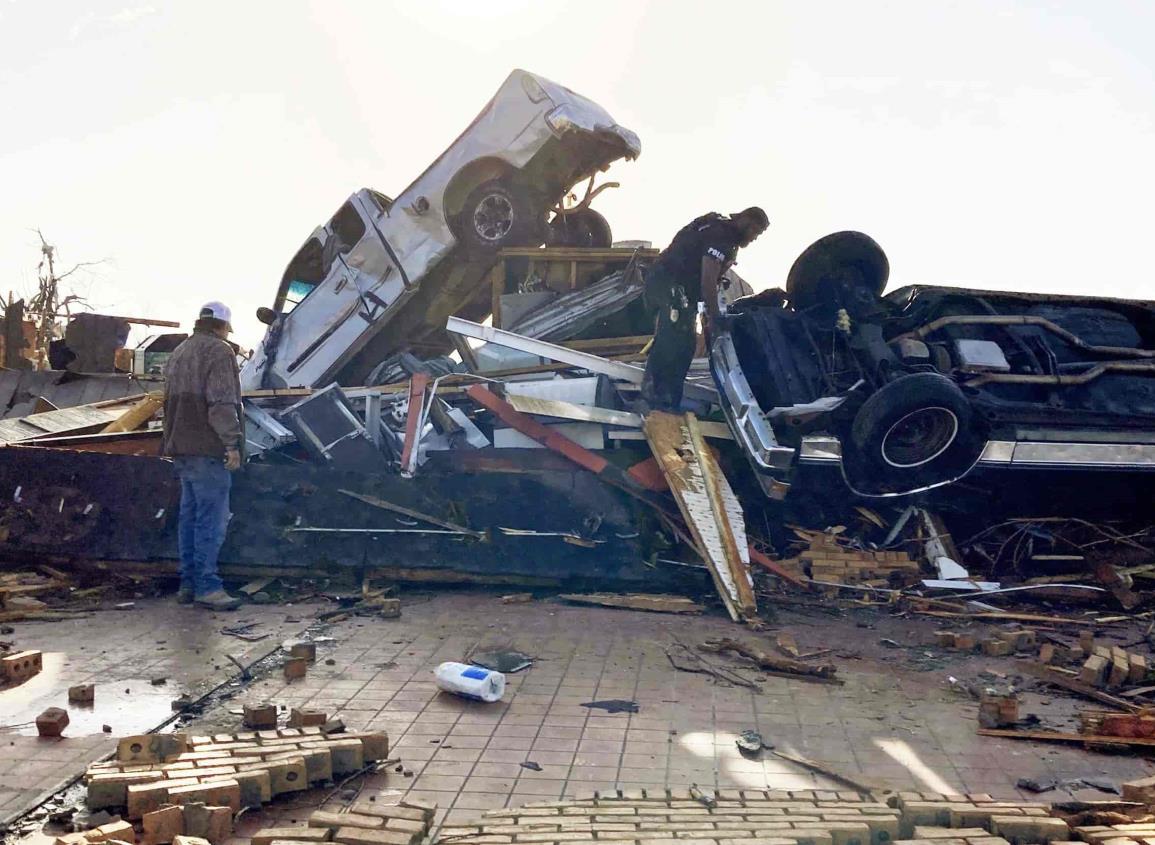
(919, 437)
(493, 218)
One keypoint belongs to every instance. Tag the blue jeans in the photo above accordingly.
(204, 519)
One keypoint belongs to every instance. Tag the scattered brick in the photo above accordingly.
(295, 668)
(322, 818)
(162, 825)
(299, 718)
(19, 667)
(82, 694)
(212, 823)
(52, 722)
(260, 716)
(294, 834)
(305, 650)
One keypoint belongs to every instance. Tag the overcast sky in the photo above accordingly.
(197, 144)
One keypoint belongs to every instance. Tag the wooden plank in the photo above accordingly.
(1012, 617)
(413, 514)
(708, 506)
(636, 601)
(1059, 736)
(582, 254)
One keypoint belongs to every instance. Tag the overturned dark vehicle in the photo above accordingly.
(917, 389)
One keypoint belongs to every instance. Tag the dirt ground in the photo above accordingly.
(904, 716)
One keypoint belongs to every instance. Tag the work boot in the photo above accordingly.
(218, 600)
(185, 595)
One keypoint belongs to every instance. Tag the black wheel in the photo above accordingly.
(841, 270)
(919, 427)
(498, 215)
(585, 228)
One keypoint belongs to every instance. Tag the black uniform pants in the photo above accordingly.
(675, 337)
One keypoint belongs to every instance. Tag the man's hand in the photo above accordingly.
(232, 459)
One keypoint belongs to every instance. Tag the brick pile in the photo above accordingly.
(827, 561)
(760, 817)
(226, 770)
(365, 823)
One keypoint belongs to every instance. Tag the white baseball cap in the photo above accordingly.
(217, 311)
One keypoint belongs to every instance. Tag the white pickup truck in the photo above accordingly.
(384, 273)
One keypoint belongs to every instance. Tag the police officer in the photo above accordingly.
(686, 273)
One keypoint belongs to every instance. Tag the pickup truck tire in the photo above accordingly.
(843, 269)
(918, 427)
(585, 228)
(496, 215)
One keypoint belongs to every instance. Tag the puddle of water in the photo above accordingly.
(127, 706)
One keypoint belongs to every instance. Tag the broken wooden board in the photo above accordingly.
(708, 505)
(636, 601)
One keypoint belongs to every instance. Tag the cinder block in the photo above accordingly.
(19, 667)
(260, 717)
(52, 722)
(162, 825)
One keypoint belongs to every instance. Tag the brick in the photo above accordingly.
(304, 649)
(19, 667)
(224, 792)
(1120, 668)
(256, 788)
(849, 833)
(396, 811)
(295, 668)
(52, 722)
(390, 608)
(145, 797)
(374, 746)
(414, 830)
(810, 836)
(111, 789)
(162, 825)
(427, 807)
(151, 748)
(190, 840)
(286, 775)
(121, 830)
(1047, 653)
(82, 694)
(203, 772)
(322, 818)
(1140, 790)
(883, 828)
(997, 648)
(348, 755)
(965, 642)
(1020, 829)
(260, 716)
(925, 832)
(299, 718)
(318, 762)
(1020, 639)
(360, 836)
(212, 823)
(1095, 669)
(1138, 668)
(295, 834)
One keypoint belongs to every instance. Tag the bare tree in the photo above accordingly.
(47, 306)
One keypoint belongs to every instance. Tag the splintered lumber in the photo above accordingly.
(770, 662)
(820, 768)
(1001, 616)
(636, 601)
(775, 568)
(137, 415)
(708, 505)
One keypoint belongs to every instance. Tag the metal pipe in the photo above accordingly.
(1138, 367)
(1029, 320)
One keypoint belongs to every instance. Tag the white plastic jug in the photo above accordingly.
(470, 681)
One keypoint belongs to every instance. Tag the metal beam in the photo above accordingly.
(594, 363)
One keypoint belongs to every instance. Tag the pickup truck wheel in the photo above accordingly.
(498, 215)
(842, 270)
(917, 425)
(585, 228)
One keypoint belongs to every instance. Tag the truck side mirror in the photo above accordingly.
(266, 315)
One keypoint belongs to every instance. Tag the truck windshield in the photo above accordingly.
(304, 273)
